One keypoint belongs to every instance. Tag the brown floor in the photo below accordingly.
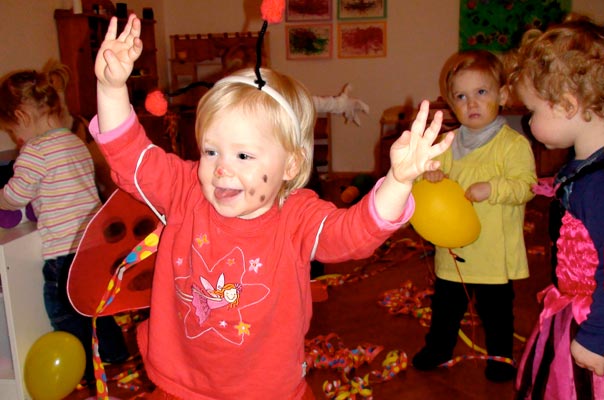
(352, 313)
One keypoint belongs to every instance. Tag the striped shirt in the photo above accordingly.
(54, 171)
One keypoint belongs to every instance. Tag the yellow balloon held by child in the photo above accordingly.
(443, 215)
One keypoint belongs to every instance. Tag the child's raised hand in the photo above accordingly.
(412, 154)
(115, 59)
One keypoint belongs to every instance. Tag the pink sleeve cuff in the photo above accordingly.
(108, 136)
(384, 224)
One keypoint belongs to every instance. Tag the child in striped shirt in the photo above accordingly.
(55, 173)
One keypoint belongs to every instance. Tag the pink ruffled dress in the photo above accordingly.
(547, 369)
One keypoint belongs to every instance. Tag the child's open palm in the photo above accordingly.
(412, 154)
(115, 59)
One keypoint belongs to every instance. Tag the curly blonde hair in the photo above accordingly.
(567, 58)
(251, 101)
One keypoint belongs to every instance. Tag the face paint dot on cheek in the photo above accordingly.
(265, 178)
(252, 192)
(262, 198)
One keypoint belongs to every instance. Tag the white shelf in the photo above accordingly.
(22, 312)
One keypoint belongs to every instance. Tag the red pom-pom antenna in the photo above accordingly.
(156, 103)
(272, 10)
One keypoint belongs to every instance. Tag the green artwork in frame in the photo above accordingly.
(498, 25)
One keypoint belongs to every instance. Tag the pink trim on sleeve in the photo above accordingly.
(108, 136)
(384, 224)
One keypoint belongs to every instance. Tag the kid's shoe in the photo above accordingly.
(428, 359)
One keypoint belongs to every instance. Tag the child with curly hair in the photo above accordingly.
(559, 77)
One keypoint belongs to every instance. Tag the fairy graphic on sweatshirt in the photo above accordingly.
(209, 298)
(217, 298)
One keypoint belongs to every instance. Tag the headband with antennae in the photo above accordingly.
(270, 11)
(259, 81)
(271, 92)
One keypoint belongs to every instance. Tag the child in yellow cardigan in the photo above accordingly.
(495, 166)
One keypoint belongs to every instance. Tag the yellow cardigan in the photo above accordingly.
(499, 253)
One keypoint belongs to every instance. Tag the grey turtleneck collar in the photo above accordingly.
(466, 141)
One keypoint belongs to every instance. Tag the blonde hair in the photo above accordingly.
(57, 74)
(58, 77)
(567, 58)
(251, 101)
(472, 60)
(34, 88)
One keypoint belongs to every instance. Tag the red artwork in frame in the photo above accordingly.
(308, 10)
(361, 9)
(362, 39)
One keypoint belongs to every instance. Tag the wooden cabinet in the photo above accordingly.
(208, 57)
(144, 77)
(80, 36)
(23, 317)
(79, 39)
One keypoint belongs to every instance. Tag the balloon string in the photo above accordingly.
(472, 343)
(470, 304)
(426, 252)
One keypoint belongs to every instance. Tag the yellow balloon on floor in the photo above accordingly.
(54, 366)
(443, 215)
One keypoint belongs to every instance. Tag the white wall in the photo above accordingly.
(421, 35)
(29, 36)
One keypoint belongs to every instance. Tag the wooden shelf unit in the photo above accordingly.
(208, 57)
(80, 37)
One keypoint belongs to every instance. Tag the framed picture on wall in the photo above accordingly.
(499, 26)
(308, 10)
(361, 9)
(362, 39)
(308, 42)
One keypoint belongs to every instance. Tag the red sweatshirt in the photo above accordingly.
(231, 300)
